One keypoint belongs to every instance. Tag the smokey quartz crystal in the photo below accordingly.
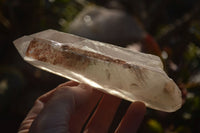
(130, 75)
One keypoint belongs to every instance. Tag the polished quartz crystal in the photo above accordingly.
(133, 76)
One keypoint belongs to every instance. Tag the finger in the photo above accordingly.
(36, 109)
(26, 123)
(80, 116)
(45, 97)
(56, 113)
(132, 119)
(104, 114)
(39, 109)
(42, 100)
(69, 83)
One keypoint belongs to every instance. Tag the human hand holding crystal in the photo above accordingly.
(68, 107)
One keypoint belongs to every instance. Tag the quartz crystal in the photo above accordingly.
(133, 76)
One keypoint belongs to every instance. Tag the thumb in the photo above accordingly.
(55, 115)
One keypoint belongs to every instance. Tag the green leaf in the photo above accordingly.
(155, 126)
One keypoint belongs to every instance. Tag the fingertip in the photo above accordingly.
(69, 83)
(138, 106)
(55, 113)
(132, 118)
(85, 87)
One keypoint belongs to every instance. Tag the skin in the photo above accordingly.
(66, 109)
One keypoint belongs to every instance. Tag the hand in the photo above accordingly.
(67, 108)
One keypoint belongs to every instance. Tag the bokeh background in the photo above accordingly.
(167, 28)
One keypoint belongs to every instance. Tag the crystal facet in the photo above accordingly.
(133, 76)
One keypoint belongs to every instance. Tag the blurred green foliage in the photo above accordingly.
(191, 62)
(155, 126)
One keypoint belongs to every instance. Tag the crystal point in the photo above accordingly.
(133, 76)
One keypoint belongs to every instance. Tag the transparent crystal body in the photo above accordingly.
(133, 76)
